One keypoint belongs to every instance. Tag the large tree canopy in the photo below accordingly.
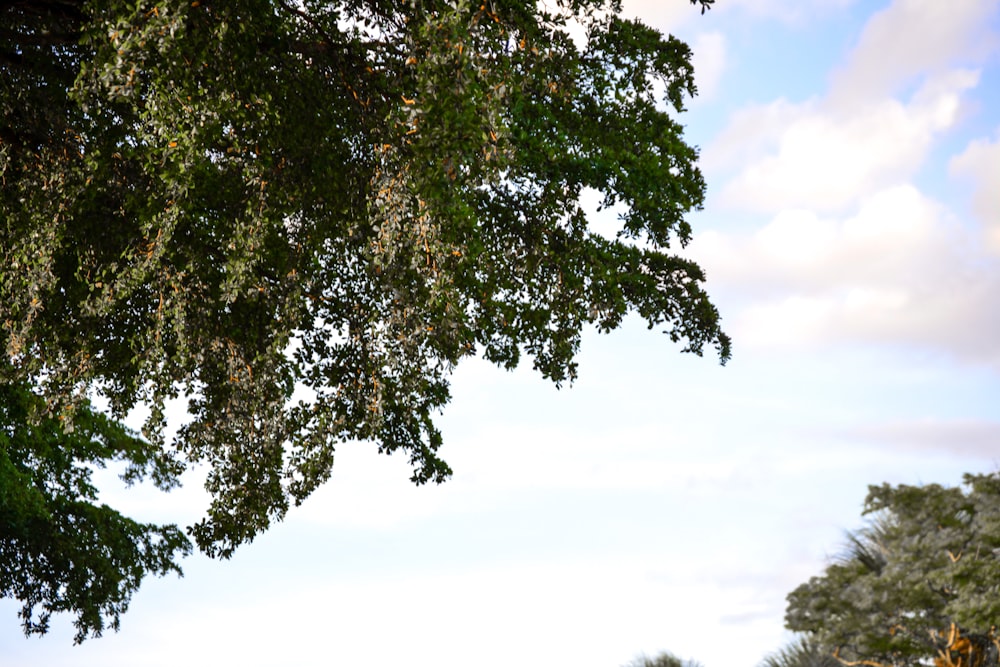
(299, 215)
(921, 583)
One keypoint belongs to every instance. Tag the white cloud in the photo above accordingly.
(751, 131)
(824, 159)
(371, 490)
(898, 271)
(583, 612)
(709, 60)
(980, 163)
(852, 251)
(912, 38)
(798, 246)
(664, 16)
(955, 438)
(827, 152)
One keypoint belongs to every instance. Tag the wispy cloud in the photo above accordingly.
(825, 158)
(911, 39)
(980, 163)
(976, 439)
(901, 269)
(709, 60)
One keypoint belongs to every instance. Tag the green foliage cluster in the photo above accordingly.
(60, 550)
(300, 216)
(803, 652)
(664, 659)
(923, 573)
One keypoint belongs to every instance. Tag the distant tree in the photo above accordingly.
(237, 201)
(920, 583)
(803, 652)
(664, 659)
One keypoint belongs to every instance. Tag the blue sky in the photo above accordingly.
(852, 241)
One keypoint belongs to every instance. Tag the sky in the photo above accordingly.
(851, 238)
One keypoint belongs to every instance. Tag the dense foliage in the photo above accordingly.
(664, 659)
(804, 651)
(921, 582)
(298, 216)
(59, 549)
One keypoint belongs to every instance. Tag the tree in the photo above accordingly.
(300, 216)
(664, 659)
(920, 582)
(803, 652)
(60, 550)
